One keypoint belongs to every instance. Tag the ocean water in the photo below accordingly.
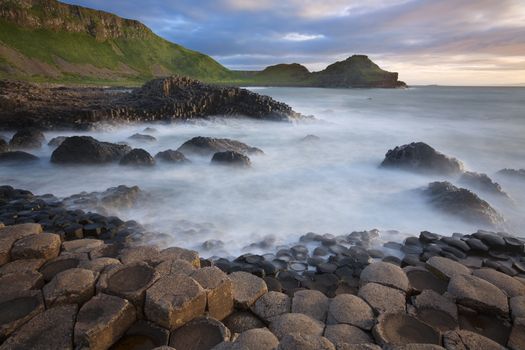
(334, 185)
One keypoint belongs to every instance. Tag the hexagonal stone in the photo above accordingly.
(10, 234)
(18, 308)
(219, 293)
(85, 245)
(359, 347)
(421, 279)
(102, 321)
(416, 347)
(247, 288)
(148, 254)
(401, 329)
(98, 265)
(507, 284)
(382, 298)
(61, 263)
(299, 341)
(478, 294)
(73, 286)
(517, 306)
(429, 299)
(176, 253)
(175, 266)
(39, 246)
(17, 282)
(241, 321)
(174, 300)
(143, 335)
(446, 268)
(271, 304)
(466, 340)
(312, 303)
(352, 310)
(295, 323)
(21, 266)
(49, 330)
(386, 274)
(128, 281)
(517, 335)
(202, 333)
(259, 338)
(345, 334)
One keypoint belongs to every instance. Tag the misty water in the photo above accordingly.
(334, 185)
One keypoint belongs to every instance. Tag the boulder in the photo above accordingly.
(312, 303)
(206, 146)
(99, 265)
(10, 234)
(481, 182)
(176, 253)
(421, 279)
(247, 288)
(17, 157)
(466, 340)
(428, 299)
(231, 158)
(256, 339)
(174, 267)
(271, 304)
(386, 274)
(56, 141)
(17, 308)
(61, 263)
(446, 268)
(340, 334)
(478, 294)
(171, 156)
(420, 157)
(27, 138)
(4, 146)
(174, 300)
(85, 245)
(507, 284)
(518, 174)
(142, 137)
(218, 288)
(73, 286)
(352, 310)
(143, 335)
(49, 330)
(517, 335)
(517, 306)
(382, 298)
(299, 341)
(148, 254)
(401, 329)
(241, 321)
(137, 157)
(17, 282)
(102, 321)
(202, 333)
(362, 347)
(295, 323)
(462, 203)
(39, 246)
(87, 150)
(21, 266)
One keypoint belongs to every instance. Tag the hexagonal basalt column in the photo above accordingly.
(219, 292)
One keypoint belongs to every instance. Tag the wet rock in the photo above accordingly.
(456, 243)
(231, 158)
(241, 321)
(491, 240)
(17, 308)
(507, 284)
(4, 146)
(256, 339)
(17, 157)
(202, 333)
(102, 321)
(87, 150)
(49, 330)
(39, 246)
(385, 274)
(478, 294)
(312, 303)
(56, 141)
(518, 174)
(298, 341)
(517, 335)
(14, 282)
(271, 304)
(383, 299)
(218, 288)
(142, 138)
(247, 288)
(400, 329)
(340, 334)
(481, 182)
(420, 157)
(295, 323)
(352, 310)
(174, 300)
(137, 157)
(446, 268)
(27, 138)
(206, 146)
(73, 286)
(143, 334)
(477, 245)
(462, 203)
(61, 263)
(21, 266)
(517, 306)
(428, 237)
(171, 156)
(465, 340)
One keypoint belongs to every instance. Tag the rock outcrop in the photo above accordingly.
(206, 146)
(87, 150)
(231, 158)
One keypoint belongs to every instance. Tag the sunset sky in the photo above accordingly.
(449, 42)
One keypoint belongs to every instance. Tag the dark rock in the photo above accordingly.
(428, 237)
(481, 182)
(17, 308)
(421, 157)
(202, 333)
(491, 240)
(463, 339)
(311, 139)
(171, 156)
(4, 146)
(87, 150)
(17, 157)
(137, 157)
(400, 329)
(487, 325)
(56, 141)
(231, 158)
(142, 137)
(477, 245)
(456, 243)
(241, 321)
(462, 203)
(206, 146)
(518, 174)
(141, 335)
(27, 138)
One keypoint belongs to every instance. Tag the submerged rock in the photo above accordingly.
(120, 197)
(17, 157)
(231, 158)
(142, 137)
(27, 138)
(206, 146)
(481, 182)
(420, 157)
(56, 141)
(87, 150)
(4, 146)
(171, 156)
(462, 203)
(518, 174)
(138, 157)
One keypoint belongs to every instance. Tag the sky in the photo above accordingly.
(446, 42)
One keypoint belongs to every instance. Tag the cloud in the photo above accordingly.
(301, 37)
